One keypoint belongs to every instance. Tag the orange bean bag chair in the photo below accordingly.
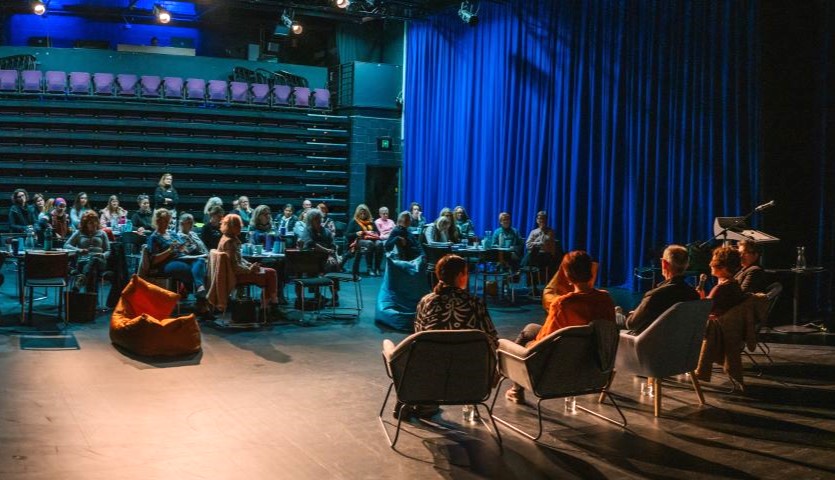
(140, 322)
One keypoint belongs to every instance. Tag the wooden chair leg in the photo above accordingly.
(697, 387)
(657, 392)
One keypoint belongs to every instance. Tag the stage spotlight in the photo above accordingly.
(38, 7)
(468, 13)
(163, 15)
(287, 20)
(343, 3)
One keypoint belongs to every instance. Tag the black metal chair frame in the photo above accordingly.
(34, 263)
(308, 262)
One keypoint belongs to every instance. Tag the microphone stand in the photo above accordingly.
(724, 231)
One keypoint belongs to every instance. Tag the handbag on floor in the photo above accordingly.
(244, 310)
(81, 307)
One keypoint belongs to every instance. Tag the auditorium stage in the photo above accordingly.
(302, 402)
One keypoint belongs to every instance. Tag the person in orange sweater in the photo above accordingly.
(578, 307)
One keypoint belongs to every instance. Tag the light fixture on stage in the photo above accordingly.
(38, 7)
(287, 20)
(343, 3)
(163, 15)
(468, 13)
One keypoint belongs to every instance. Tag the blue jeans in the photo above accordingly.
(191, 273)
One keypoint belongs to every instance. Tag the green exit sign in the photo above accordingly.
(384, 143)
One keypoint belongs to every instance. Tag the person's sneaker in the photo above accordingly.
(515, 395)
(408, 411)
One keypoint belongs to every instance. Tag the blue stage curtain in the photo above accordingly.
(633, 123)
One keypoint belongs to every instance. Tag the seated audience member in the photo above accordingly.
(672, 290)
(579, 307)
(286, 221)
(450, 306)
(22, 217)
(508, 237)
(327, 221)
(364, 238)
(165, 195)
(727, 293)
(417, 216)
(92, 248)
(79, 206)
(751, 277)
(466, 230)
(246, 272)
(260, 225)
(235, 203)
(191, 241)
(166, 250)
(210, 233)
(39, 205)
(542, 246)
(300, 226)
(408, 248)
(60, 219)
(113, 215)
(143, 219)
(317, 237)
(306, 205)
(443, 230)
(384, 224)
(42, 208)
(211, 202)
(243, 210)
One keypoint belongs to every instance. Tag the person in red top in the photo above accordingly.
(578, 307)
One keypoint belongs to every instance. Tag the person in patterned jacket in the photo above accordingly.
(450, 306)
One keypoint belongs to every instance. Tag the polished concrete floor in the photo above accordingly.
(302, 402)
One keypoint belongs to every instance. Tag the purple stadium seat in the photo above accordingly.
(103, 83)
(32, 80)
(173, 87)
(302, 97)
(218, 90)
(239, 92)
(8, 80)
(321, 98)
(126, 84)
(56, 82)
(281, 94)
(196, 89)
(260, 93)
(80, 83)
(149, 85)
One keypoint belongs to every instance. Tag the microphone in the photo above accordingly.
(765, 206)
(702, 281)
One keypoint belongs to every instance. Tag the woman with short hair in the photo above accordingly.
(727, 293)
(401, 237)
(260, 225)
(193, 243)
(210, 233)
(210, 203)
(384, 224)
(143, 219)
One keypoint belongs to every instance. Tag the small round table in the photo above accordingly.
(798, 274)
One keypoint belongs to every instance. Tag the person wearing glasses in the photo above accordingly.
(751, 277)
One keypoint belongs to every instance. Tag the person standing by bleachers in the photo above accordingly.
(166, 195)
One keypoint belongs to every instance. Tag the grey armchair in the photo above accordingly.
(570, 362)
(440, 367)
(669, 346)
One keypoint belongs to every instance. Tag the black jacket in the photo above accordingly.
(658, 300)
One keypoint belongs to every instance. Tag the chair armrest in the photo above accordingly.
(513, 349)
(388, 349)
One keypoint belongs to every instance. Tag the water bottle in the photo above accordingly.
(570, 405)
(47, 238)
(801, 258)
(30, 241)
(128, 226)
(488, 239)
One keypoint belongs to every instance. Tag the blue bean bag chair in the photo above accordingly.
(404, 284)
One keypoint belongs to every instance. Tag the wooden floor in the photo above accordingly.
(302, 402)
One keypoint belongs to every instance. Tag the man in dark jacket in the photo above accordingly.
(669, 292)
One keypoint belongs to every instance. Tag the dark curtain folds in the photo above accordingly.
(633, 123)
